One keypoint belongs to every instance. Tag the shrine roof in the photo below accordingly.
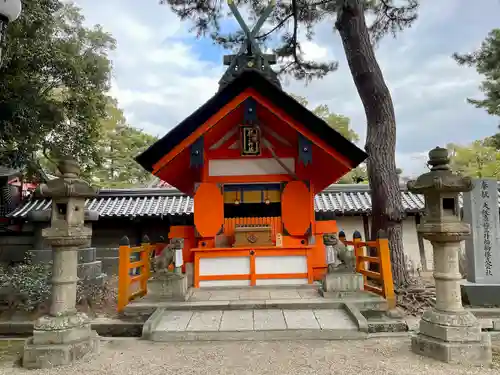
(251, 79)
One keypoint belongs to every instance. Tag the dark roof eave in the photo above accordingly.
(275, 95)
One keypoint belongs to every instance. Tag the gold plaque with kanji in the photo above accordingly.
(250, 141)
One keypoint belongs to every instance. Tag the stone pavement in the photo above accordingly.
(297, 293)
(249, 320)
(254, 324)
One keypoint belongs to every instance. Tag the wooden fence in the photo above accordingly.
(379, 282)
(133, 270)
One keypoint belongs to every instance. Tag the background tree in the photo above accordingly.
(117, 145)
(55, 74)
(486, 60)
(477, 160)
(342, 125)
(348, 18)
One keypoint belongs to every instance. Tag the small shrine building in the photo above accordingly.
(253, 159)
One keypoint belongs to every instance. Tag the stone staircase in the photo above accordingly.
(257, 313)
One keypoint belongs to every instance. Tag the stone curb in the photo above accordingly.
(305, 304)
(356, 315)
(110, 328)
(151, 323)
(274, 335)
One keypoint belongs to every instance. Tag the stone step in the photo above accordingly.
(144, 307)
(255, 325)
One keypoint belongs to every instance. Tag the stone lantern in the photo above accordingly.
(65, 334)
(448, 332)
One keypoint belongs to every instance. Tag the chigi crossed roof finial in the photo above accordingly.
(250, 55)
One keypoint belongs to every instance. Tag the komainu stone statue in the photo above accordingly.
(339, 257)
(165, 259)
(164, 284)
(341, 278)
(162, 262)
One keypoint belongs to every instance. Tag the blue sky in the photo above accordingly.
(162, 73)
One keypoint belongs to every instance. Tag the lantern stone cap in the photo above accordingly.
(440, 179)
(68, 184)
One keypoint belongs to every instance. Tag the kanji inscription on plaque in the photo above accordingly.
(250, 141)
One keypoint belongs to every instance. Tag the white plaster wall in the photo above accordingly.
(351, 223)
(285, 264)
(281, 281)
(249, 167)
(410, 241)
(224, 266)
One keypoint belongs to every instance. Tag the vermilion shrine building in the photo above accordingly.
(253, 158)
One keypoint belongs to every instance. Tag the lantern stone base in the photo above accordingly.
(168, 285)
(341, 282)
(452, 338)
(472, 353)
(59, 341)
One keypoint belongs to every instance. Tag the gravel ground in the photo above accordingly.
(375, 356)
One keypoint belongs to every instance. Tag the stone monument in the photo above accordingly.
(483, 246)
(341, 278)
(65, 335)
(166, 284)
(448, 332)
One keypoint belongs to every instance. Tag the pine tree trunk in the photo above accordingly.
(387, 209)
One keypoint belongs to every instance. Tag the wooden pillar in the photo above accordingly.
(421, 246)
(372, 251)
(366, 228)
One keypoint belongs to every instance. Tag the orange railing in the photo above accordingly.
(133, 273)
(382, 258)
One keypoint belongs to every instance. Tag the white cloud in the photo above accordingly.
(314, 52)
(161, 76)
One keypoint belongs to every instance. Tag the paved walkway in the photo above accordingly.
(255, 294)
(374, 357)
(249, 320)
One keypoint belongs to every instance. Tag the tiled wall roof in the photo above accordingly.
(156, 202)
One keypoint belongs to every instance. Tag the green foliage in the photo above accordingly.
(342, 125)
(477, 160)
(117, 145)
(338, 122)
(29, 280)
(30, 284)
(486, 60)
(55, 73)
